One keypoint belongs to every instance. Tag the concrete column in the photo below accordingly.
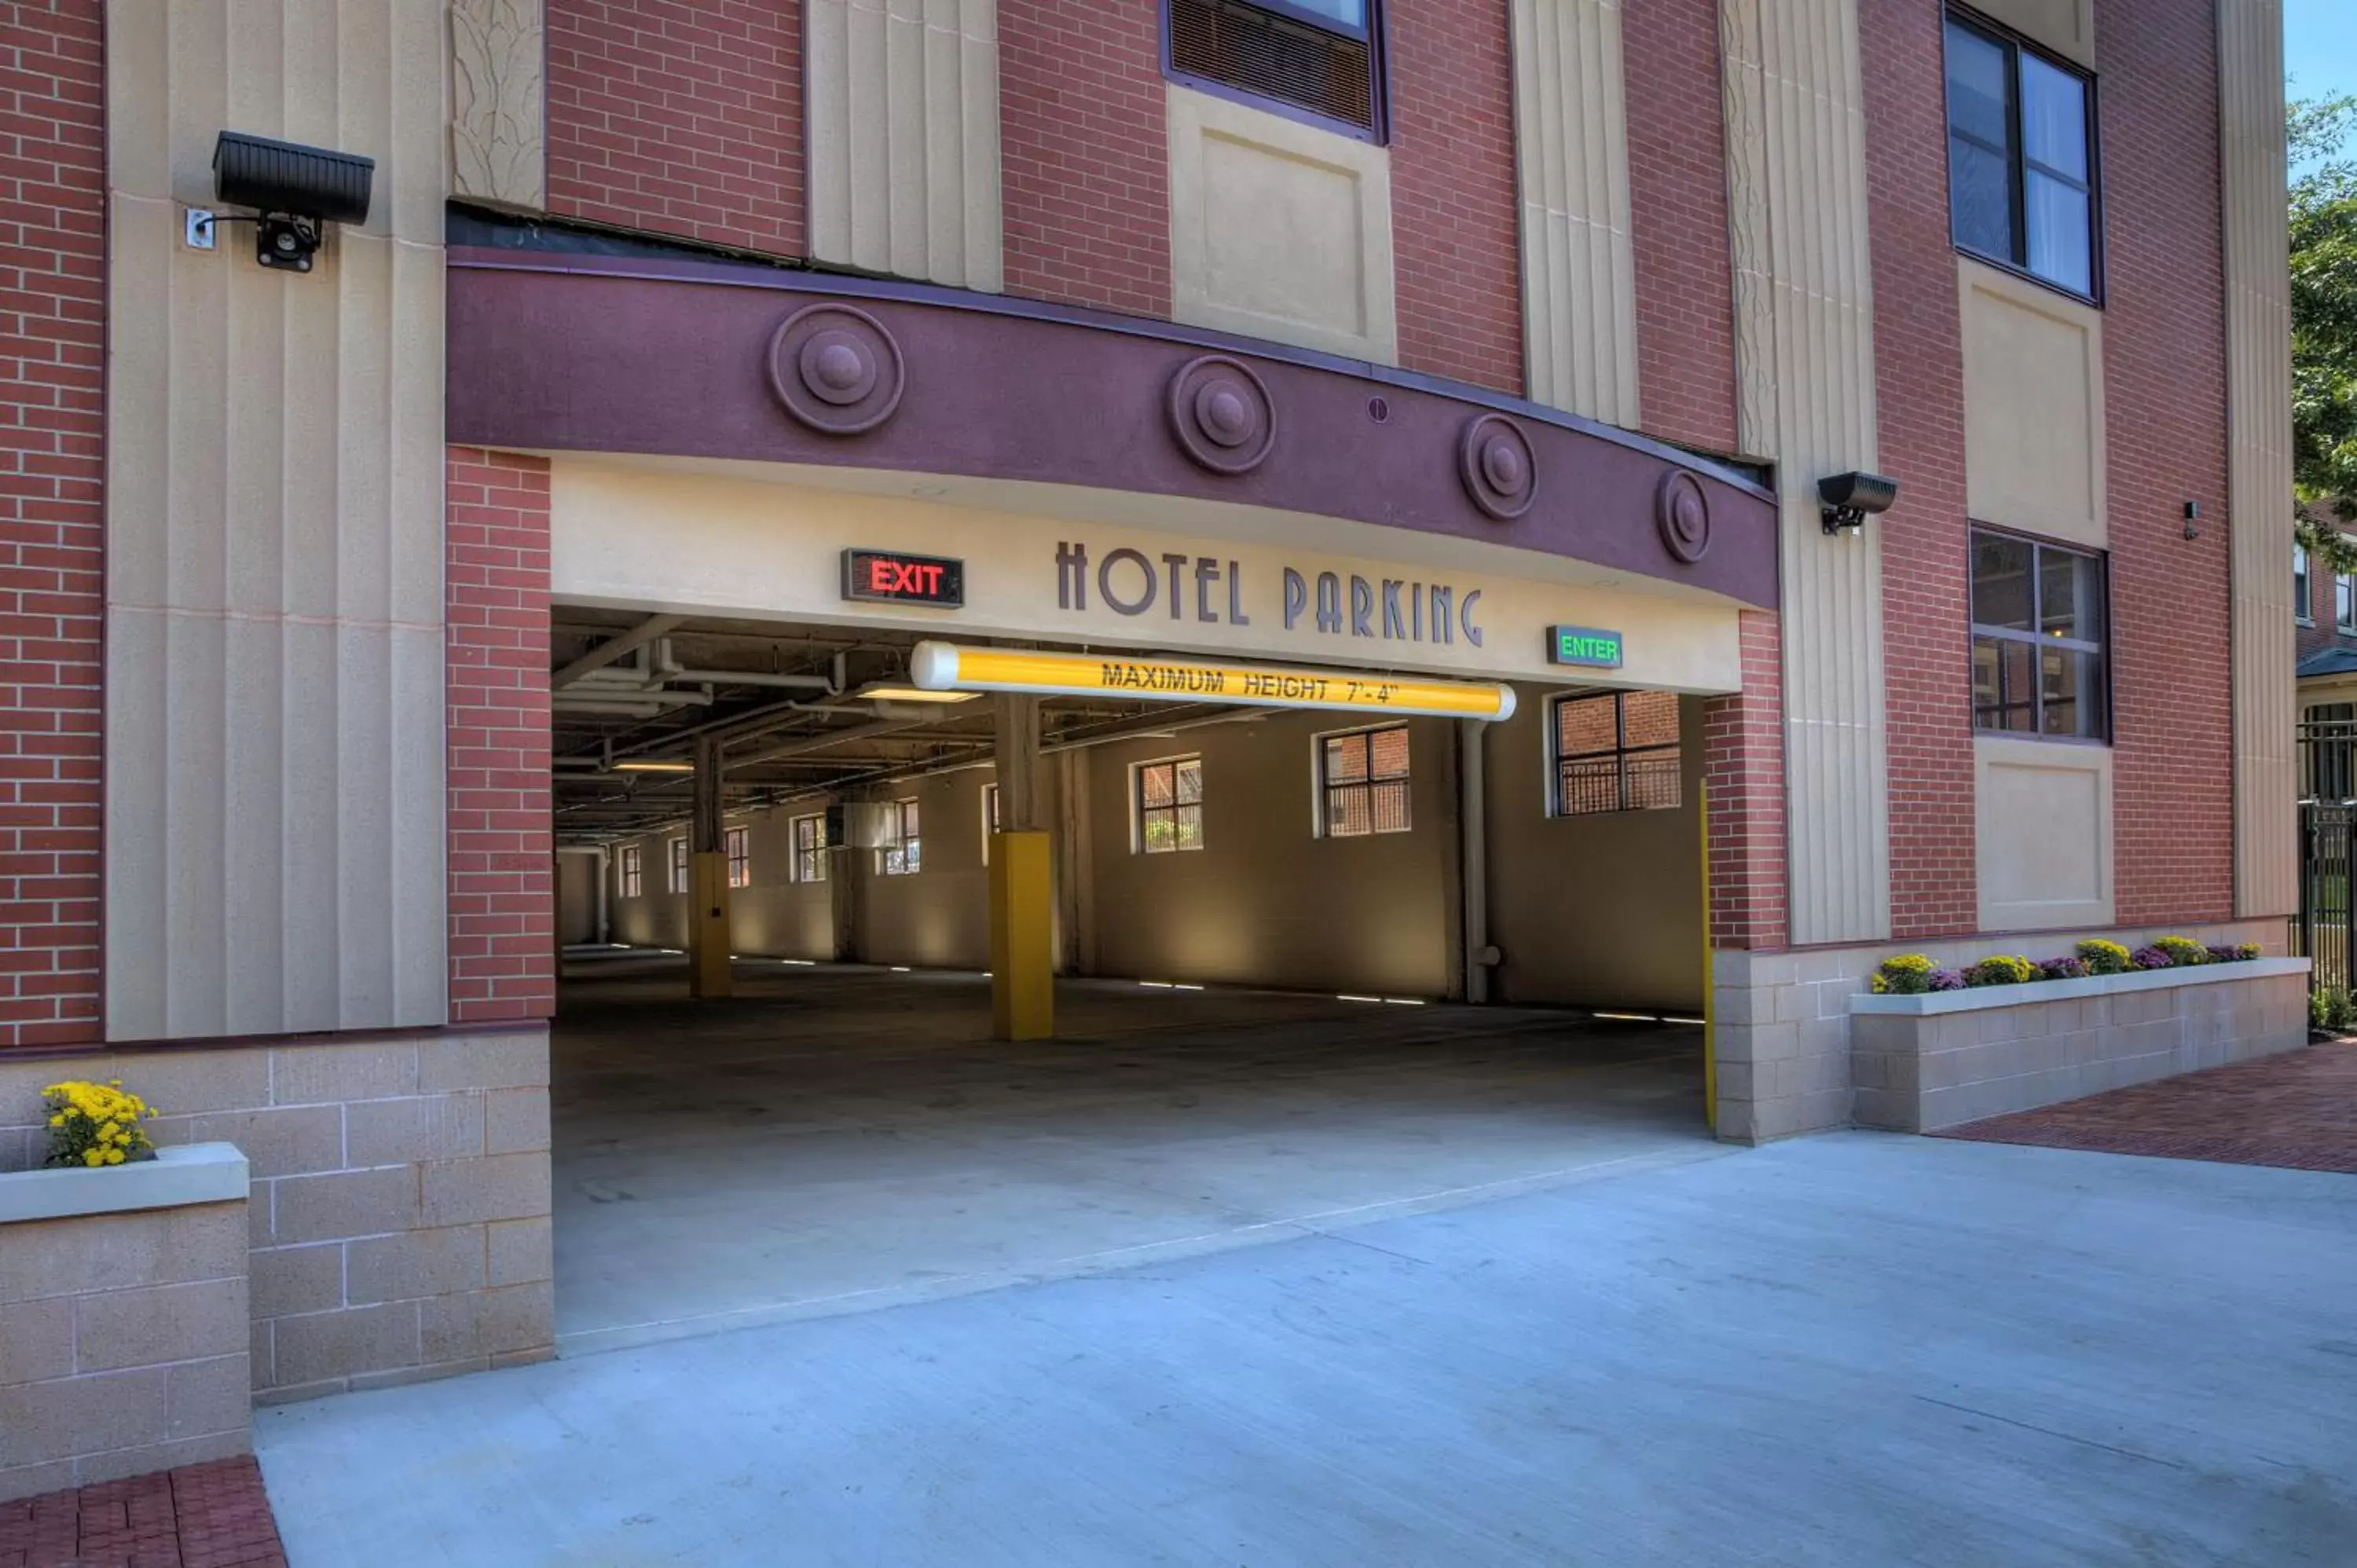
(1022, 885)
(708, 971)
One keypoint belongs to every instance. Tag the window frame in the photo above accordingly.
(736, 843)
(1374, 34)
(682, 868)
(1326, 788)
(2344, 604)
(990, 818)
(2303, 586)
(2018, 159)
(902, 841)
(633, 872)
(1620, 750)
(1976, 630)
(806, 863)
(1140, 840)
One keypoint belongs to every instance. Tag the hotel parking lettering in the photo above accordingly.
(1390, 609)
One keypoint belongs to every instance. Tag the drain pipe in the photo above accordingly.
(604, 914)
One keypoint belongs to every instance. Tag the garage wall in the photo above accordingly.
(1604, 911)
(1267, 901)
(576, 898)
(776, 918)
(658, 918)
(939, 919)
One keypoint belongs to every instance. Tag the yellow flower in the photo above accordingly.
(115, 1157)
(92, 1157)
(58, 1120)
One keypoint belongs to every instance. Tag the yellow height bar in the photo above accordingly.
(947, 667)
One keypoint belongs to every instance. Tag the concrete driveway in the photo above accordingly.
(1852, 1349)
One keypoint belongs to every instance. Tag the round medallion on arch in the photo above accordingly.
(1681, 511)
(1500, 470)
(1220, 415)
(837, 368)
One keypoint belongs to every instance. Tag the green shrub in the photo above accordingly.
(2183, 953)
(1908, 974)
(2104, 958)
(2332, 1009)
(2001, 968)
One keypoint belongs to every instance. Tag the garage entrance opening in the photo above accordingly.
(1262, 924)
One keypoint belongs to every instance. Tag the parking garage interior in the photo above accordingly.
(1269, 929)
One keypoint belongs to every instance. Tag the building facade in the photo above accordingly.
(1495, 345)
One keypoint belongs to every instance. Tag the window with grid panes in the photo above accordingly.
(901, 854)
(2021, 178)
(1170, 805)
(633, 872)
(1364, 777)
(2039, 640)
(679, 866)
(989, 817)
(2303, 607)
(810, 847)
(1617, 751)
(739, 841)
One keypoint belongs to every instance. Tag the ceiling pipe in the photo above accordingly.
(614, 648)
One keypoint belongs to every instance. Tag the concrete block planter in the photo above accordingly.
(123, 1334)
(1925, 1062)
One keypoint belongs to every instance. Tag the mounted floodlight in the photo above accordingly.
(296, 190)
(1850, 498)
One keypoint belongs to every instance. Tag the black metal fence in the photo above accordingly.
(2328, 812)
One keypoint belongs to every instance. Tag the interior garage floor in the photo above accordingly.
(837, 1138)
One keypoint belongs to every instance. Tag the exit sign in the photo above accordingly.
(890, 577)
(1585, 646)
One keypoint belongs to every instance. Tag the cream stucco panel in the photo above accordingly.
(2033, 407)
(1571, 156)
(697, 545)
(1279, 229)
(1805, 397)
(275, 789)
(2066, 26)
(2043, 828)
(499, 130)
(2258, 465)
(904, 139)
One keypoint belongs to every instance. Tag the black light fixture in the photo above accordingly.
(1850, 498)
(295, 191)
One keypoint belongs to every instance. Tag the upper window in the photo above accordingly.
(2021, 179)
(2344, 604)
(1363, 778)
(2303, 604)
(1170, 805)
(810, 847)
(679, 866)
(1318, 57)
(1617, 752)
(2039, 640)
(739, 844)
(901, 852)
(633, 874)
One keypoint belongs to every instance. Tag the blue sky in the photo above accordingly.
(2320, 47)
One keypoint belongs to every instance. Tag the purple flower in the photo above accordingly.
(1945, 980)
(2151, 958)
(2222, 954)
(2063, 968)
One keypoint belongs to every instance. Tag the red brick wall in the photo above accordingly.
(1086, 187)
(52, 468)
(2164, 363)
(502, 881)
(1677, 192)
(1743, 765)
(678, 116)
(1918, 375)
(1454, 237)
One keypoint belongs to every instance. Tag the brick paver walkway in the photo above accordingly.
(202, 1516)
(2298, 1110)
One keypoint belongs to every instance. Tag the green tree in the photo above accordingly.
(2323, 140)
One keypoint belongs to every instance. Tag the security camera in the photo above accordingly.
(1850, 498)
(295, 191)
